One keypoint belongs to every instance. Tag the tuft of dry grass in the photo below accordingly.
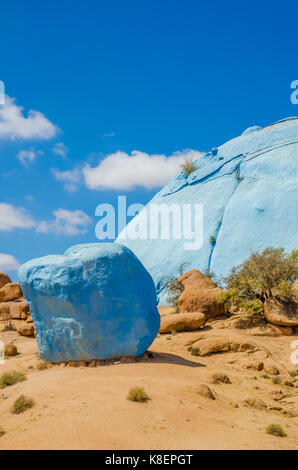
(42, 366)
(22, 404)
(10, 378)
(137, 394)
(276, 430)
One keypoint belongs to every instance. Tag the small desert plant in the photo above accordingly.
(265, 376)
(42, 366)
(8, 326)
(212, 239)
(174, 332)
(276, 430)
(174, 288)
(22, 404)
(194, 351)
(137, 394)
(276, 380)
(2, 432)
(263, 276)
(11, 378)
(188, 166)
(293, 373)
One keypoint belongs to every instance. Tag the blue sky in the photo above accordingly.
(105, 79)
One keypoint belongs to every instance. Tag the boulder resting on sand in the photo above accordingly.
(281, 313)
(26, 329)
(182, 322)
(95, 301)
(221, 344)
(200, 294)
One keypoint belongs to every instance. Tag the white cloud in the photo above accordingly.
(28, 156)
(15, 125)
(112, 134)
(60, 149)
(8, 263)
(123, 171)
(71, 178)
(65, 223)
(12, 218)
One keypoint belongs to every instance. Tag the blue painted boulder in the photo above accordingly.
(95, 301)
(249, 191)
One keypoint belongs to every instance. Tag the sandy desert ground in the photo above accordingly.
(86, 408)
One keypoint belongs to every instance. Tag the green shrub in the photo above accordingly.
(22, 404)
(173, 288)
(188, 166)
(263, 276)
(276, 380)
(137, 394)
(276, 430)
(42, 366)
(293, 373)
(193, 351)
(11, 378)
(265, 376)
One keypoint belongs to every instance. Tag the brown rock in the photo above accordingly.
(182, 322)
(205, 391)
(220, 378)
(10, 291)
(255, 403)
(255, 365)
(200, 294)
(26, 329)
(19, 310)
(270, 368)
(240, 323)
(221, 344)
(271, 330)
(10, 350)
(4, 279)
(281, 313)
(29, 319)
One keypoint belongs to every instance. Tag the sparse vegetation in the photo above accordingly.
(194, 351)
(8, 326)
(22, 404)
(276, 380)
(293, 373)
(42, 366)
(265, 376)
(174, 288)
(188, 166)
(137, 394)
(174, 332)
(275, 430)
(10, 378)
(263, 276)
(2, 432)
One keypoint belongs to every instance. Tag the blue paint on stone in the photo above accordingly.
(95, 301)
(249, 189)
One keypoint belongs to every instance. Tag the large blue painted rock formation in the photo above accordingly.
(95, 301)
(249, 190)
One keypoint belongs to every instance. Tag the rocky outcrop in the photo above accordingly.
(281, 313)
(248, 189)
(271, 330)
(182, 322)
(10, 291)
(200, 294)
(19, 310)
(96, 301)
(4, 279)
(26, 329)
(222, 344)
